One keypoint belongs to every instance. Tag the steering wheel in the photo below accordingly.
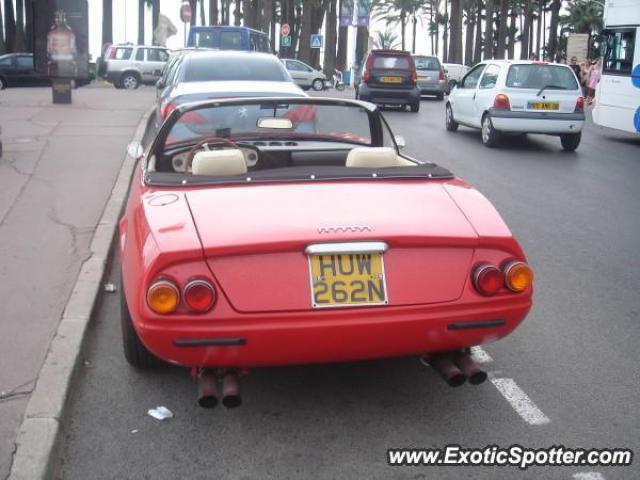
(206, 144)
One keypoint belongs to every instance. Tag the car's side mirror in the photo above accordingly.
(135, 150)
(400, 141)
(160, 84)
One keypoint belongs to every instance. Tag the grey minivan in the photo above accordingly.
(432, 79)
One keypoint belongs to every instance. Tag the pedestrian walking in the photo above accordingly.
(595, 72)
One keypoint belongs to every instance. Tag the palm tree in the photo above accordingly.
(331, 38)
(386, 40)
(455, 47)
(397, 11)
(9, 26)
(586, 17)
(488, 30)
(477, 50)
(3, 47)
(141, 10)
(20, 46)
(470, 22)
(526, 30)
(107, 22)
(213, 12)
(552, 46)
(503, 27)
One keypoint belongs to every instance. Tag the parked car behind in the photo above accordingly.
(205, 74)
(431, 76)
(454, 72)
(390, 78)
(227, 37)
(128, 66)
(508, 96)
(305, 76)
(17, 70)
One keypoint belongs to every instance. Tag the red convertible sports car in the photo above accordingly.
(279, 231)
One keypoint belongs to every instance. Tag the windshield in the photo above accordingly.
(210, 67)
(427, 63)
(297, 121)
(537, 76)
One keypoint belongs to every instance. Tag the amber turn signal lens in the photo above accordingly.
(487, 279)
(518, 276)
(199, 296)
(163, 297)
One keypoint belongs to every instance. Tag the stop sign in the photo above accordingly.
(185, 12)
(285, 30)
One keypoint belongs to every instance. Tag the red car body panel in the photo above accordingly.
(249, 241)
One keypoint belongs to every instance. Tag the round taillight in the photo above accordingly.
(518, 276)
(487, 279)
(163, 297)
(199, 296)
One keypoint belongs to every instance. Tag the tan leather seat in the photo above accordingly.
(225, 163)
(372, 157)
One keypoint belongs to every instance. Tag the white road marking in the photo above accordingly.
(588, 476)
(520, 402)
(480, 356)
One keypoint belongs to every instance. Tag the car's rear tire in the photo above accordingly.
(490, 136)
(134, 350)
(3, 83)
(317, 84)
(130, 81)
(570, 141)
(450, 122)
(415, 107)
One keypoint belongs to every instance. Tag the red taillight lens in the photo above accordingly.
(487, 279)
(199, 296)
(442, 75)
(166, 110)
(579, 105)
(366, 75)
(501, 102)
(414, 76)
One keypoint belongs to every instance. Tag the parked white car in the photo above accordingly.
(513, 96)
(305, 76)
(454, 72)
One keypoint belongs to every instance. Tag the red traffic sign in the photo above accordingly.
(285, 30)
(185, 12)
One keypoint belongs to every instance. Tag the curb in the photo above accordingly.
(37, 443)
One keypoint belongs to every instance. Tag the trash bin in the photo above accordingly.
(346, 77)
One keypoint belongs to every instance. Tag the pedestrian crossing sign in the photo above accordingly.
(317, 41)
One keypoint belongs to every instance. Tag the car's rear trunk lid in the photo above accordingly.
(254, 238)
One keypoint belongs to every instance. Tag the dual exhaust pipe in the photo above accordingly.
(456, 368)
(209, 393)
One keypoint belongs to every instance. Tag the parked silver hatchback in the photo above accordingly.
(431, 77)
(305, 76)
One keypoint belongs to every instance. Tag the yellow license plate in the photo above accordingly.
(391, 79)
(347, 279)
(544, 105)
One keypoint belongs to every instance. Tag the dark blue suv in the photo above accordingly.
(224, 37)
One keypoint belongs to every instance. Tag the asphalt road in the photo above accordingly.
(574, 359)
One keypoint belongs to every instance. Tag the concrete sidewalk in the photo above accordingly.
(57, 171)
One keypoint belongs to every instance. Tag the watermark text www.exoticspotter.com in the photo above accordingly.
(515, 455)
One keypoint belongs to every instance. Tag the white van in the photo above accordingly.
(618, 93)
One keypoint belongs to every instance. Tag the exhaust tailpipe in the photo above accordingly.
(231, 391)
(207, 389)
(447, 370)
(475, 375)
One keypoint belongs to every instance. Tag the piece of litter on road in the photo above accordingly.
(134, 431)
(160, 413)
(110, 287)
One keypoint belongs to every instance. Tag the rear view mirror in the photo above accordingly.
(400, 142)
(160, 84)
(135, 150)
(274, 122)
